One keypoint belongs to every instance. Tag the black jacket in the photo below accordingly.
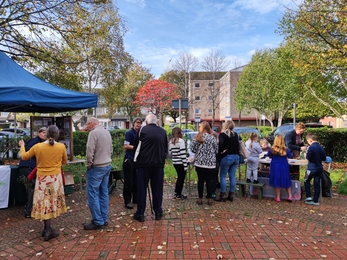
(290, 140)
(154, 146)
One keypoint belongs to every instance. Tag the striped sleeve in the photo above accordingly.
(178, 153)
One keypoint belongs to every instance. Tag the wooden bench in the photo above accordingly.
(242, 188)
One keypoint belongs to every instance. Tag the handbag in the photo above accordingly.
(32, 174)
(242, 150)
(138, 147)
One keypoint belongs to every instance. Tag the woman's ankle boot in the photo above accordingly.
(222, 197)
(230, 196)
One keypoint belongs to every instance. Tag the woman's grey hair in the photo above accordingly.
(137, 119)
(52, 134)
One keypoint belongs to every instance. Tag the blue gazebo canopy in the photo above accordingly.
(21, 91)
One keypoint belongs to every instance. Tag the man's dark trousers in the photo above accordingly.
(29, 205)
(156, 175)
(130, 181)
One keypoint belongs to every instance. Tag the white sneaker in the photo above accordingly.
(312, 203)
(308, 199)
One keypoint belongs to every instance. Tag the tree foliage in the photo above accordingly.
(317, 30)
(269, 84)
(125, 97)
(156, 96)
(175, 78)
(37, 28)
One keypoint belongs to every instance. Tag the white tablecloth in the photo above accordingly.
(5, 178)
(290, 161)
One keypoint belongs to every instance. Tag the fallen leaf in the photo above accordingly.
(161, 252)
(31, 230)
(219, 257)
(39, 253)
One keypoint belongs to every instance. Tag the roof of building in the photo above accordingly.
(204, 75)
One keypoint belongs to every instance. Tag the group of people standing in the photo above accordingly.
(223, 152)
(146, 151)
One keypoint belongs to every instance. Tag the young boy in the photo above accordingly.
(315, 156)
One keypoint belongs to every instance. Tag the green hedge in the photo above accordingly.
(80, 141)
(334, 141)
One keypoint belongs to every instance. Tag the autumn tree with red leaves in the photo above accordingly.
(156, 96)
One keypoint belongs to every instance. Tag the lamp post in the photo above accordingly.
(294, 116)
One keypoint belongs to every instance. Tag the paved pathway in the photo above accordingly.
(244, 229)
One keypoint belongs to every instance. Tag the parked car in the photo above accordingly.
(187, 131)
(4, 134)
(217, 129)
(19, 131)
(172, 125)
(188, 137)
(285, 128)
(109, 128)
(243, 131)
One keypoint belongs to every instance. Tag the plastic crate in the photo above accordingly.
(69, 189)
(268, 191)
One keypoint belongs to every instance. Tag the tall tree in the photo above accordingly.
(269, 84)
(215, 61)
(317, 30)
(37, 28)
(124, 98)
(184, 64)
(175, 78)
(156, 97)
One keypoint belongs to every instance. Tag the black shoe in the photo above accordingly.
(106, 224)
(180, 197)
(27, 215)
(92, 226)
(158, 216)
(140, 218)
(129, 205)
(49, 235)
(255, 181)
(43, 233)
(248, 181)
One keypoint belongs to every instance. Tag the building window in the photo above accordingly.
(209, 97)
(227, 99)
(197, 98)
(197, 85)
(210, 112)
(210, 84)
(198, 111)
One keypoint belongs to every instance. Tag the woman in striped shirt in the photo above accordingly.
(177, 149)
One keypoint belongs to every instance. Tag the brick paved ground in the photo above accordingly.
(244, 229)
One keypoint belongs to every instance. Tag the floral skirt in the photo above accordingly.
(49, 197)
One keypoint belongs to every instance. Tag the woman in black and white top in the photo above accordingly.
(177, 149)
(205, 148)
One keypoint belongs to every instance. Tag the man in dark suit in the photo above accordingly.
(150, 166)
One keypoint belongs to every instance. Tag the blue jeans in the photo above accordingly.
(97, 193)
(316, 184)
(228, 164)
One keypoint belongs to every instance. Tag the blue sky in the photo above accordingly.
(160, 29)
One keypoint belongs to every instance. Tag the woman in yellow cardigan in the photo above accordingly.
(49, 198)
